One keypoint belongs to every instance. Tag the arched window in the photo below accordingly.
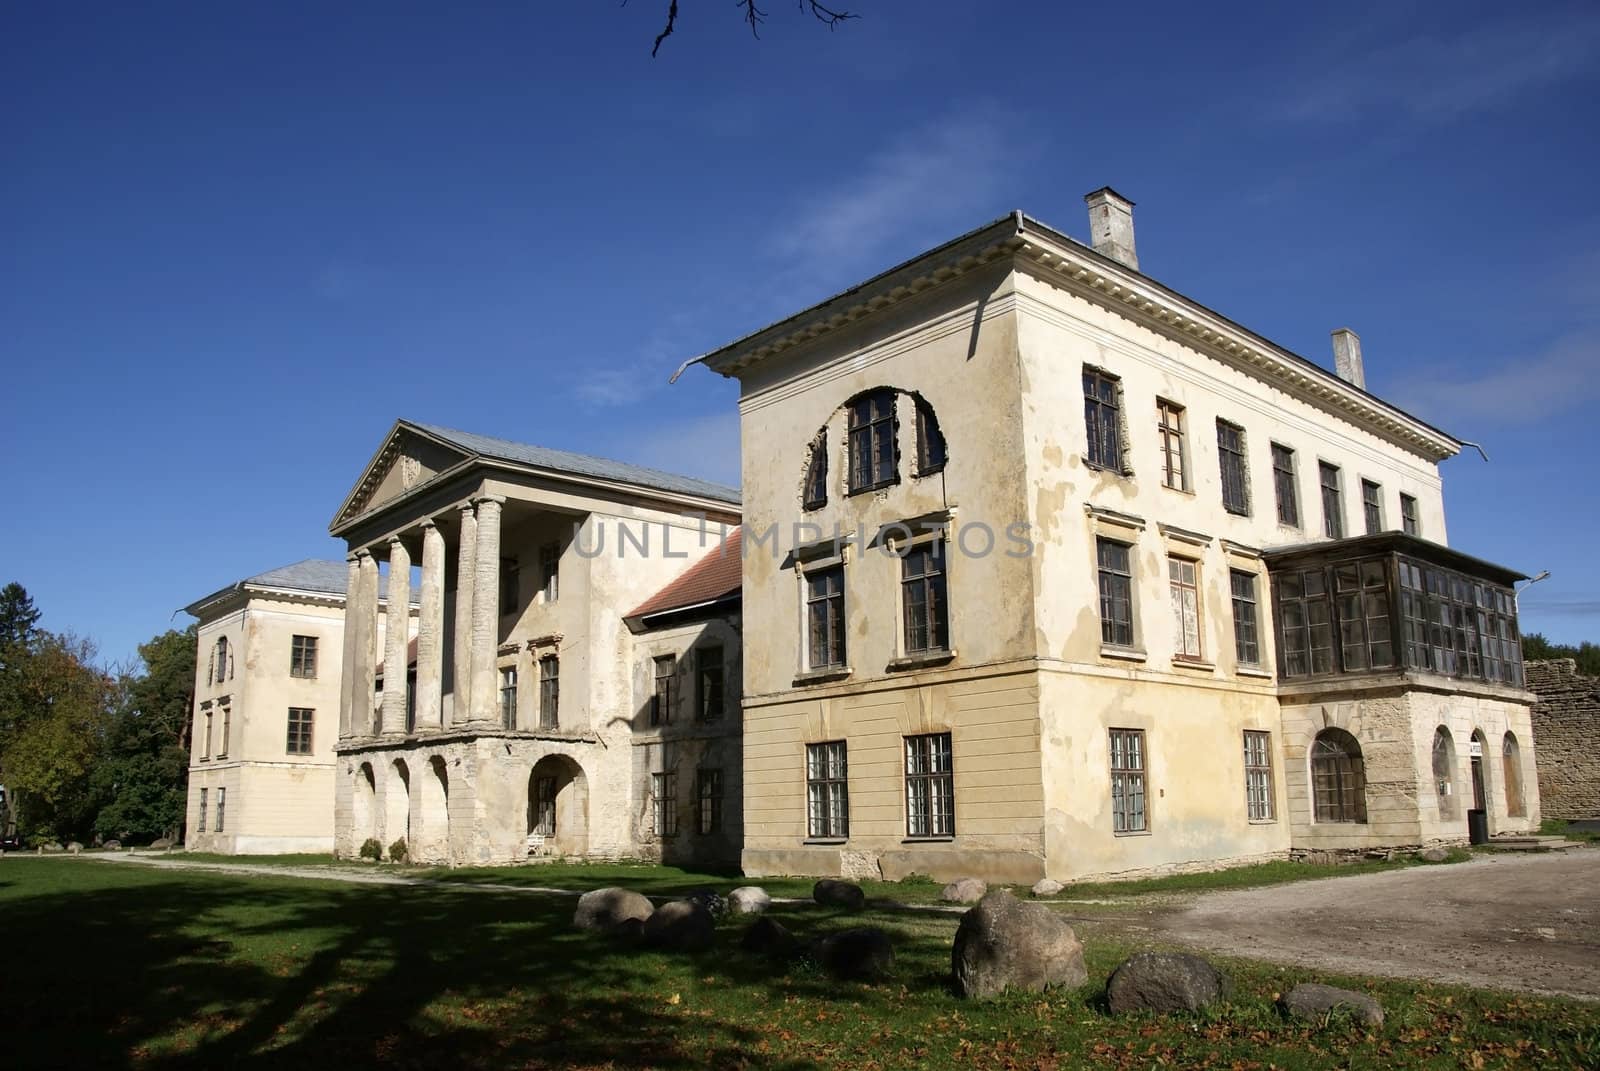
(1444, 772)
(221, 661)
(930, 441)
(1511, 755)
(873, 453)
(1338, 778)
(816, 489)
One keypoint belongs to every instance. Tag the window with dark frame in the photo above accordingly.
(666, 667)
(930, 441)
(1338, 778)
(1102, 419)
(1361, 607)
(1284, 486)
(1332, 500)
(1259, 801)
(1116, 592)
(816, 490)
(510, 578)
(222, 809)
(930, 786)
(220, 661)
(710, 676)
(708, 801)
(922, 597)
(1129, 813)
(227, 731)
(1409, 522)
(299, 741)
(1458, 626)
(205, 741)
(1246, 617)
(544, 807)
(1305, 622)
(664, 803)
(1183, 577)
(549, 692)
(200, 826)
(827, 790)
(1174, 445)
(1372, 506)
(303, 657)
(508, 697)
(873, 450)
(1235, 470)
(825, 644)
(550, 571)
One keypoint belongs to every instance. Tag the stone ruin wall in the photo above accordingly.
(1566, 738)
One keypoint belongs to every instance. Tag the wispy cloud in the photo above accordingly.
(1440, 76)
(706, 446)
(634, 378)
(1518, 389)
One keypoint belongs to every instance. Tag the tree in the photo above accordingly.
(754, 16)
(1535, 648)
(19, 638)
(144, 775)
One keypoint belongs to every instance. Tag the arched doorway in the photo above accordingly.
(397, 805)
(363, 810)
(1511, 758)
(1444, 773)
(1480, 780)
(1338, 778)
(558, 807)
(433, 839)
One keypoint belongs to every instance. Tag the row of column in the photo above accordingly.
(477, 627)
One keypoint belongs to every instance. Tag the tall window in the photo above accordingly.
(1409, 522)
(222, 808)
(1332, 501)
(666, 667)
(1102, 418)
(930, 787)
(508, 697)
(816, 490)
(299, 742)
(227, 731)
(1116, 593)
(1361, 603)
(1128, 812)
(930, 441)
(708, 801)
(664, 803)
(550, 571)
(205, 740)
(1511, 759)
(709, 679)
(1284, 486)
(220, 661)
(1246, 631)
(1258, 798)
(872, 441)
(544, 806)
(1338, 778)
(510, 578)
(922, 594)
(1305, 622)
(825, 617)
(1235, 473)
(303, 656)
(549, 692)
(1372, 506)
(1183, 579)
(200, 827)
(1174, 445)
(1444, 772)
(827, 790)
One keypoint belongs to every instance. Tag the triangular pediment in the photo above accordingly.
(407, 459)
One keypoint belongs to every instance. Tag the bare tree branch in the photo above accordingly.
(826, 15)
(754, 16)
(672, 21)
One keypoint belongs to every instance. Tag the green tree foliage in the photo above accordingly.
(1535, 648)
(144, 775)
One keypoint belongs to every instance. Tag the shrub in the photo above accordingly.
(371, 849)
(397, 851)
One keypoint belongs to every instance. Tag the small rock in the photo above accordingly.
(749, 900)
(1434, 855)
(75, 847)
(1047, 887)
(830, 892)
(52, 848)
(680, 926)
(1312, 1001)
(1005, 943)
(711, 900)
(1164, 982)
(864, 954)
(603, 909)
(112, 845)
(160, 844)
(965, 891)
(769, 937)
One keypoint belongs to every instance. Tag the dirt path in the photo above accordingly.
(1525, 922)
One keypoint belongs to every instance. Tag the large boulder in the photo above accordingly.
(749, 900)
(1316, 1002)
(863, 954)
(711, 900)
(160, 844)
(75, 847)
(1047, 887)
(965, 891)
(680, 926)
(1434, 855)
(1004, 943)
(830, 892)
(1164, 982)
(112, 845)
(769, 937)
(605, 909)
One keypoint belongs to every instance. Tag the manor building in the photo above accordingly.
(573, 688)
(1066, 575)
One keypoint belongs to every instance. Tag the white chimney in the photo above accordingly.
(1111, 226)
(1347, 357)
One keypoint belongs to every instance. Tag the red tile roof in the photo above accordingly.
(715, 576)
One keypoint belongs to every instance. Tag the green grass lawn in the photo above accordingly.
(1560, 827)
(118, 965)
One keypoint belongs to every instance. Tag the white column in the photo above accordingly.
(347, 663)
(486, 610)
(466, 570)
(362, 721)
(430, 630)
(395, 641)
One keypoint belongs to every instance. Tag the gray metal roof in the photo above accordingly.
(314, 576)
(543, 457)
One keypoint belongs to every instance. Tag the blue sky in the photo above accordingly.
(240, 240)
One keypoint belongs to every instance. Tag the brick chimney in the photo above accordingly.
(1347, 357)
(1111, 226)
